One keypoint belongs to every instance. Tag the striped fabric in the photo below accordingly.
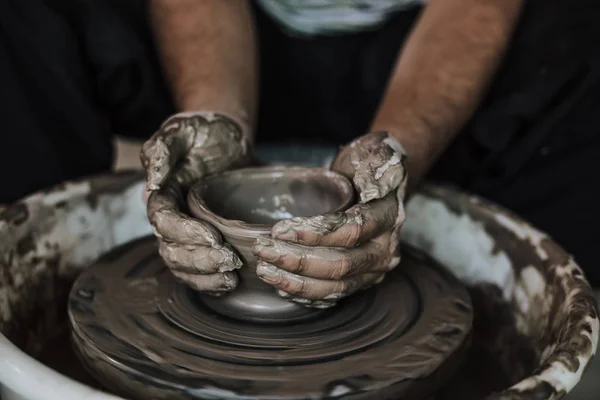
(311, 17)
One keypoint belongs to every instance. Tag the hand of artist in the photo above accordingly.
(317, 261)
(186, 147)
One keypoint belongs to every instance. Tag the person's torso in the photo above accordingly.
(310, 17)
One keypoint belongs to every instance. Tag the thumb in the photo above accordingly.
(382, 171)
(156, 160)
(167, 148)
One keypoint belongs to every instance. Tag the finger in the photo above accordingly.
(220, 144)
(174, 226)
(197, 259)
(165, 149)
(324, 262)
(349, 157)
(156, 160)
(321, 304)
(311, 288)
(381, 172)
(357, 225)
(216, 283)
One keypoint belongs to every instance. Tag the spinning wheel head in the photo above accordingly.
(144, 335)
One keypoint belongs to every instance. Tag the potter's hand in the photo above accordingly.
(318, 260)
(186, 147)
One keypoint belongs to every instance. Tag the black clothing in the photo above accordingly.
(75, 72)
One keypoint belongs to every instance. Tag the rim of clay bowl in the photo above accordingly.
(121, 216)
(199, 209)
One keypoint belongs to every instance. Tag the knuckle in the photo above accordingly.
(302, 238)
(343, 267)
(301, 264)
(281, 260)
(300, 288)
(371, 259)
(342, 288)
(283, 284)
(309, 238)
(353, 234)
(176, 258)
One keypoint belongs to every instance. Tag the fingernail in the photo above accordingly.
(283, 294)
(268, 273)
(333, 296)
(264, 249)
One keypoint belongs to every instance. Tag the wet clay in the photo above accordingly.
(144, 335)
(244, 205)
(248, 199)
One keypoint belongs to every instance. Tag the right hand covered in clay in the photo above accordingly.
(318, 260)
(187, 147)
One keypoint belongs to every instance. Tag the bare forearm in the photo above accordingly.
(208, 51)
(442, 74)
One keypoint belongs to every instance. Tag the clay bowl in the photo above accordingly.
(243, 205)
(535, 327)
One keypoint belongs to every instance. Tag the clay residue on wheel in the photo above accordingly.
(380, 340)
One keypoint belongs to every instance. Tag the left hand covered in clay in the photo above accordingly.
(318, 260)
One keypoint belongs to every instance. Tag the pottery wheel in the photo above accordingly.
(144, 335)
